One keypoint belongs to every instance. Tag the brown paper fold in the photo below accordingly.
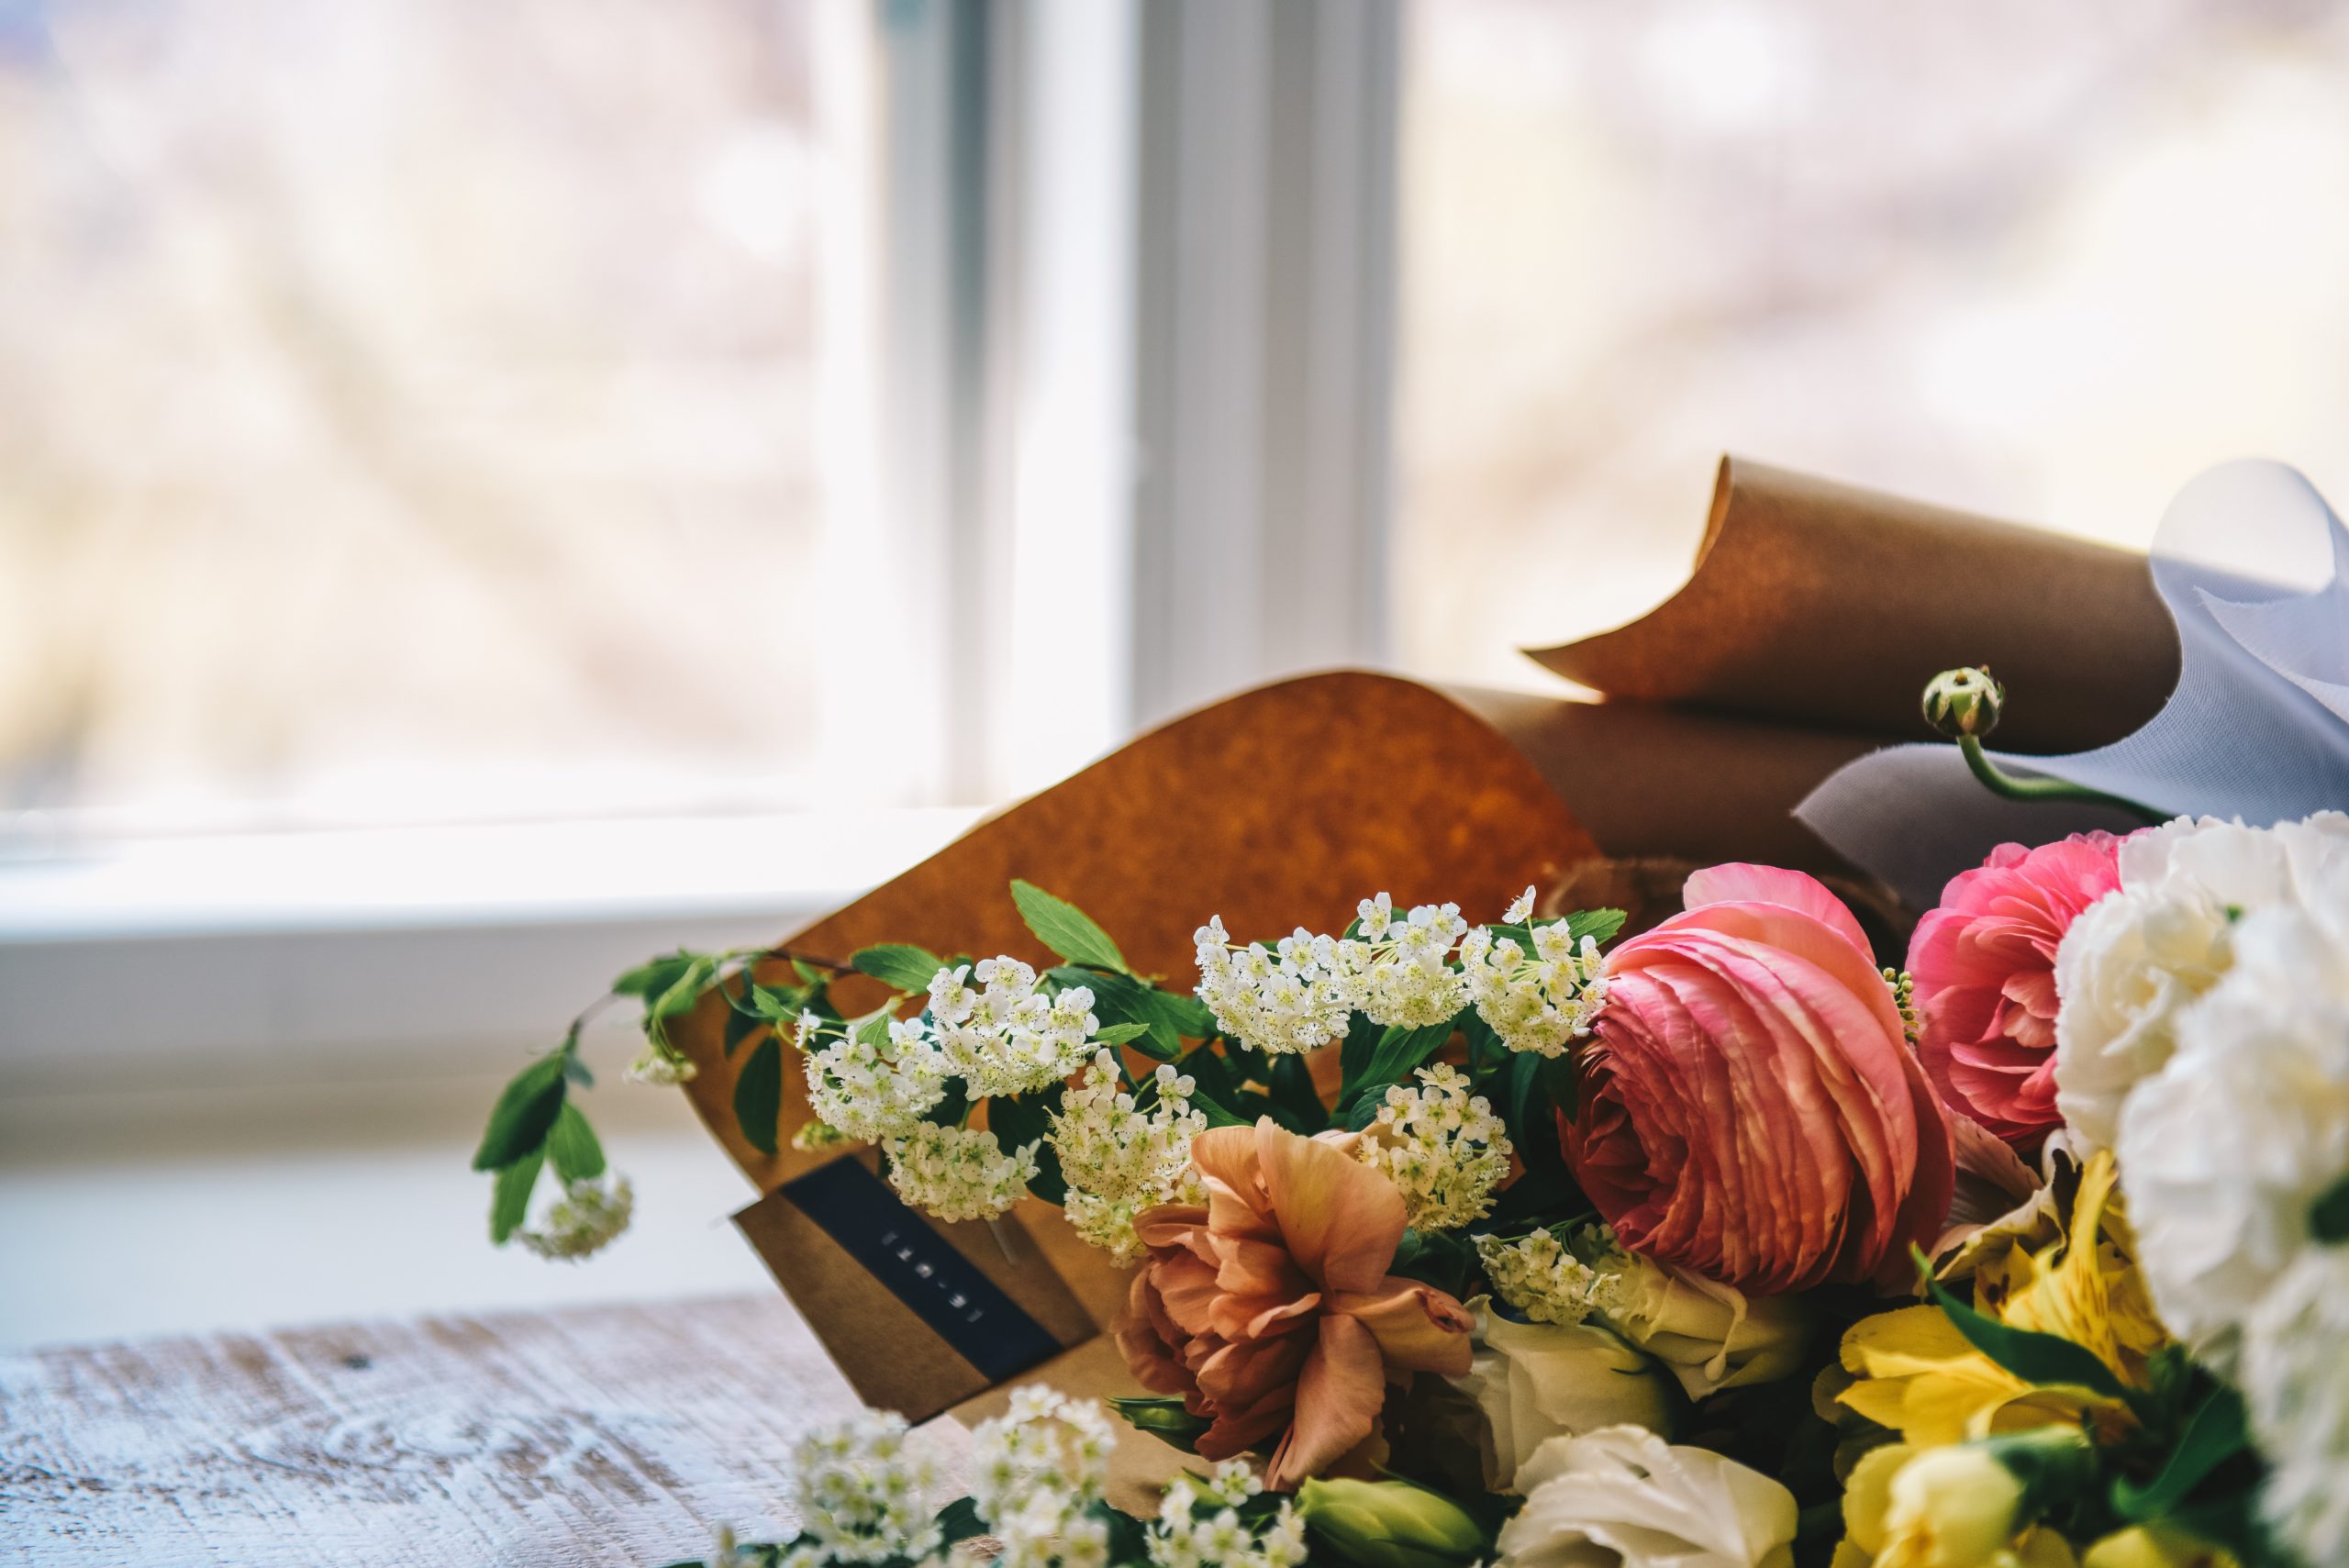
(1278, 807)
(1823, 604)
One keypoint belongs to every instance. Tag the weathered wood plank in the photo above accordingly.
(574, 1438)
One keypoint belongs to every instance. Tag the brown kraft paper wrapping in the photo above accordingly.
(1820, 604)
(1277, 807)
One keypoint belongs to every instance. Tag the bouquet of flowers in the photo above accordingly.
(1524, 1239)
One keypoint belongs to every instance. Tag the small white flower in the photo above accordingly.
(872, 1090)
(1538, 1276)
(861, 1493)
(1036, 1473)
(588, 1218)
(1198, 1525)
(1008, 1036)
(1520, 909)
(660, 1066)
(1119, 1160)
(958, 1173)
(1540, 1002)
(1294, 997)
(1442, 1148)
(1401, 970)
(1623, 1495)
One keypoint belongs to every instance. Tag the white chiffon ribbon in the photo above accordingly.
(2254, 570)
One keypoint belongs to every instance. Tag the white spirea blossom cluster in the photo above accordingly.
(1442, 1148)
(1294, 997)
(1199, 1524)
(1540, 1002)
(588, 1218)
(1006, 1036)
(659, 1065)
(1119, 1160)
(860, 1493)
(1539, 1278)
(1401, 969)
(2204, 1034)
(958, 1173)
(872, 1090)
(1036, 1471)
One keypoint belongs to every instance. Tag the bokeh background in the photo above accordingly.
(486, 491)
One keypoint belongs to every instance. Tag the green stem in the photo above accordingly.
(2000, 781)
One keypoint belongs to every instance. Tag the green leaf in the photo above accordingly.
(509, 1202)
(1218, 1114)
(1124, 1034)
(1399, 1052)
(1300, 1108)
(518, 1123)
(777, 1007)
(653, 977)
(1442, 1258)
(575, 1071)
(758, 1096)
(742, 1022)
(1027, 1118)
(1063, 927)
(572, 1144)
(1561, 1079)
(1354, 1057)
(2329, 1216)
(2043, 1359)
(683, 992)
(2215, 1434)
(958, 1521)
(898, 965)
(1599, 925)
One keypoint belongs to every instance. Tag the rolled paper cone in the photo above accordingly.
(1830, 607)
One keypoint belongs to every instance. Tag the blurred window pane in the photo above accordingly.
(405, 407)
(2044, 261)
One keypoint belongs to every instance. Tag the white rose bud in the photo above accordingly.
(1538, 1381)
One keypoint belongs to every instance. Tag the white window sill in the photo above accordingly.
(385, 954)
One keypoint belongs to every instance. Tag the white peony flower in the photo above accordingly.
(2295, 1376)
(1623, 1495)
(2134, 960)
(1536, 1381)
(2225, 1148)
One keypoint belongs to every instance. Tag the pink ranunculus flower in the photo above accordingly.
(1750, 1108)
(1269, 1308)
(1984, 964)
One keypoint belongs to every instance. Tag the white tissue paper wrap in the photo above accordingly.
(2254, 569)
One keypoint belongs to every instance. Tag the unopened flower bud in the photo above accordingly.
(1389, 1524)
(1964, 702)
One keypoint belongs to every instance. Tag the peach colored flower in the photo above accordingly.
(1269, 1308)
(1984, 962)
(1750, 1109)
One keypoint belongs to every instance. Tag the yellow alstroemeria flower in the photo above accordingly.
(1920, 1377)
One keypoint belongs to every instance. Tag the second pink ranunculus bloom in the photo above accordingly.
(1269, 1308)
(1750, 1109)
(1983, 963)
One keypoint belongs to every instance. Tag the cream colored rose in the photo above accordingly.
(1710, 1336)
(1536, 1381)
(1622, 1495)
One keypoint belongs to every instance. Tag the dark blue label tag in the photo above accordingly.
(921, 1268)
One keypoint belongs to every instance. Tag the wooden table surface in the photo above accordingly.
(619, 1434)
